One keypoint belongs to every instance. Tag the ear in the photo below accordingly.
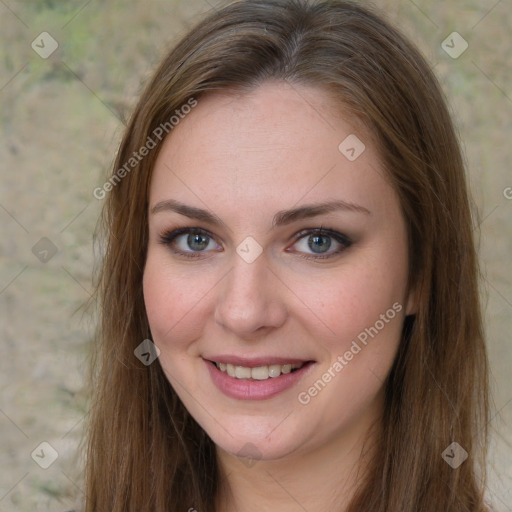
(412, 302)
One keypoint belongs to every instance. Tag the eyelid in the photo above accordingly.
(170, 235)
(338, 236)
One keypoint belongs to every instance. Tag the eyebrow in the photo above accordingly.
(281, 218)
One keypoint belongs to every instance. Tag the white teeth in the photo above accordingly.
(259, 372)
(242, 373)
(274, 370)
(287, 368)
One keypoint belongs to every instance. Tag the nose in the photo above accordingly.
(250, 301)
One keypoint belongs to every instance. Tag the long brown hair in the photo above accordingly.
(144, 450)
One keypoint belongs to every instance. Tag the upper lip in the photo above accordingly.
(254, 362)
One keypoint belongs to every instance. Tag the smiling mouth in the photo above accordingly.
(258, 372)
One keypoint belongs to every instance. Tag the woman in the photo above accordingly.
(289, 296)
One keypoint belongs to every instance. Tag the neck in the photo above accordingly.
(320, 478)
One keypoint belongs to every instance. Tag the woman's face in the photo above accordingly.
(303, 324)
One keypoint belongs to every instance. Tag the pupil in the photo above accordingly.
(319, 243)
(197, 242)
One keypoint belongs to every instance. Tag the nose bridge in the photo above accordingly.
(249, 300)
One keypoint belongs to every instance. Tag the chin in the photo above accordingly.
(251, 439)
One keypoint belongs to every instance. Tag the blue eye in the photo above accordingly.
(197, 242)
(189, 242)
(320, 241)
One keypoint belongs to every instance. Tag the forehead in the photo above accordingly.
(266, 149)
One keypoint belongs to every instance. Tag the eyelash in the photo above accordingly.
(169, 237)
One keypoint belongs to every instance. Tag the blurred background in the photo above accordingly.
(70, 71)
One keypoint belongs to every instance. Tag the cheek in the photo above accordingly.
(174, 303)
(363, 307)
(358, 312)
(347, 302)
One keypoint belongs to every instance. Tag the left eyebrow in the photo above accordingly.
(284, 217)
(281, 218)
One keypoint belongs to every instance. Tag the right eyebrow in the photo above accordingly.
(187, 211)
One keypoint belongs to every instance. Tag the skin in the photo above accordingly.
(244, 157)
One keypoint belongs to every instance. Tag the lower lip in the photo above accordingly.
(246, 389)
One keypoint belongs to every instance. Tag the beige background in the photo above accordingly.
(61, 119)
